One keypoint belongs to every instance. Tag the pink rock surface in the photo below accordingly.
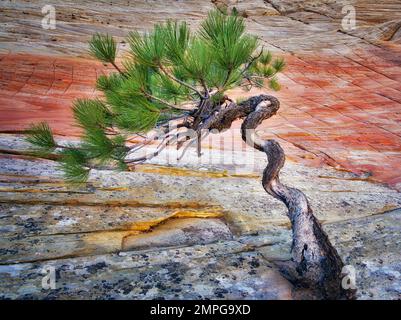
(335, 111)
(41, 88)
(345, 111)
(341, 91)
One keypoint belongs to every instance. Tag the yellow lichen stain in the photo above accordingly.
(183, 172)
(388, 207)
(115, 188)
(216, 213)
(246, 175)
(103, 242)
(146, 226)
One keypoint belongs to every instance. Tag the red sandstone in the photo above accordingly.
(336, 110)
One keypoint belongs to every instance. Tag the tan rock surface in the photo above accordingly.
(89, 233)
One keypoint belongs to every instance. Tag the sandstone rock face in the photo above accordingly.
(178, 232)
(202, 228)
(347, 79)
(183, 232)
(369, 245)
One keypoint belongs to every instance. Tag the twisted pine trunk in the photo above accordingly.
(316, 265)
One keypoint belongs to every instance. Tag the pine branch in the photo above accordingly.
(169, 105)
(117, 68)
(205, 88)
(251, 62)
(103, 47)
(172, 76)
(168, 74)
(41, 136)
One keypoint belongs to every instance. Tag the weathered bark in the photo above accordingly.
(316, 265)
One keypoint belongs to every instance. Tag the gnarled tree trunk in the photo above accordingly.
(316, 265)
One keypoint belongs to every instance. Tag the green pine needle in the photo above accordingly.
(149, 49)
(109, 83)
(198, 60)
(91, 113)
(279, 64)
(274, 85)
(266, 58)
(164, 87)
(97, 144)
(259, 83)
(41, 136)
(268, 72)
(103, 47)
(177, 36)
(136, 118)
(73, 165)
(122, 166)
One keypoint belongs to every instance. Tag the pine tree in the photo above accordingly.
(167, 70)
